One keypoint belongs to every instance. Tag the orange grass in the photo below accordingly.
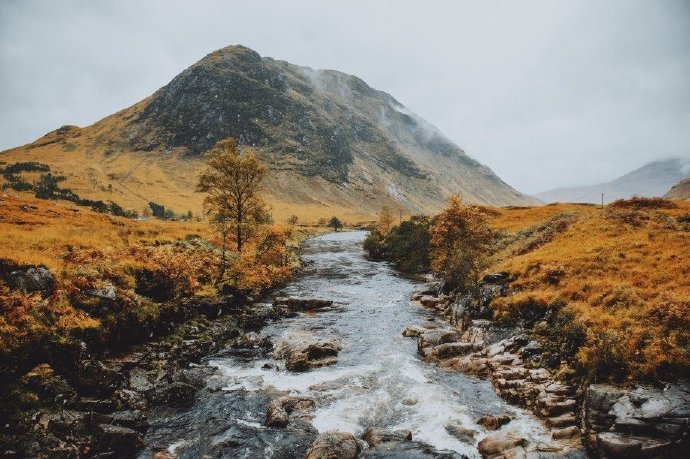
(624, 272)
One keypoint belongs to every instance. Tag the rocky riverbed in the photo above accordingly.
(600, 420)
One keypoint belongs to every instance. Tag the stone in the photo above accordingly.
(446, 350)
(302, 304)
(429, 301)
(409, 449)
(34, 279)
(278, 413)
(414, 331)
(374, 437)
(106, 293)
(461, 433)
(121, 441)
(563, 420)
(498, 443)
(173, 394)
(494, 422)
(334, 445)
(618, 446)
(303, 353)
(567, 432)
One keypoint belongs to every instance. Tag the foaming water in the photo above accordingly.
(379, 380)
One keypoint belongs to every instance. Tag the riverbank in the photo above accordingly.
(102, 317)
(603, 420)
(344, 368)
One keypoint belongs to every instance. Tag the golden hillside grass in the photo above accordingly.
(623, 272)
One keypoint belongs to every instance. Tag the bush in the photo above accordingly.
(406, 245)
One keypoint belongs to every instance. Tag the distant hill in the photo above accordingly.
(334, 145)
(681, 190)
(653, 179)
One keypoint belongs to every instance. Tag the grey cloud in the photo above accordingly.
(546, 93)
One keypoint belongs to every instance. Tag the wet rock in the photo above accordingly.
(429, 301)
(173, 394)
(252, 340)
(409, 449)
(563, 420)
(568, 432)
(414, 331)
(117, 440)
(463, 434)
(434, 338)
(278, 413)
(494, 422)
(446, 350)
(302, 304)
(301, 354)
(334, 445)
(498, 443)
(375, 437)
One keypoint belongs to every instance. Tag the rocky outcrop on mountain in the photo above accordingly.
(328, 137)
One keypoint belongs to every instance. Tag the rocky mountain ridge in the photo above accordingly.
(331, 141)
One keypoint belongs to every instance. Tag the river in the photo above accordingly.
(379, 380)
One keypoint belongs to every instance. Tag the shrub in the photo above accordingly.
(460, 241)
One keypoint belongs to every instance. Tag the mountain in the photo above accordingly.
(653, 179)
(333, 144)
(680, 190)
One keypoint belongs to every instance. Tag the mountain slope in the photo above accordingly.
(333, 144)
(651, 180)
(680, 190)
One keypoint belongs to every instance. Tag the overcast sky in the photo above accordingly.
(546, 93)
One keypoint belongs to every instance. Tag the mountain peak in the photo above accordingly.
(329, 138)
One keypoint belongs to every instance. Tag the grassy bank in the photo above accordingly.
(606, 290)
(70, 275)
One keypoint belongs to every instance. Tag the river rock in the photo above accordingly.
(301, 354)
(409, 450)
(278, 413)
(117, 440)
(498, 443)
(446, 350)
(429, 301)
(334, 445)
(463, 434)
(494, 422)
(302, 304)
(414, 331)
(173, 394)
(426, 341)
(374, 437)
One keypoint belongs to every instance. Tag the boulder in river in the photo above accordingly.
(303, 353)
(463, 434)
(278, 414)
(409, 449)
(301, 304)
(493, 422)
(375, 437)
(498, 443)
(334, 445)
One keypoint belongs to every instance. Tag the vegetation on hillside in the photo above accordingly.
(606, 291)
(71, 275)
